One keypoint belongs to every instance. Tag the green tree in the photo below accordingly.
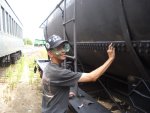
(27, 41)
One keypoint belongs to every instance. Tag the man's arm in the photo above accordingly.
(95, 74)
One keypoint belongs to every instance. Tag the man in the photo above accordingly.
(57, 80)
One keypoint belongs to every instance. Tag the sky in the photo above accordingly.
(32, 13)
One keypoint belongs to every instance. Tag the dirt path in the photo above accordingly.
(25, 97)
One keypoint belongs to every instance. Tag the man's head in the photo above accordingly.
(57, 47)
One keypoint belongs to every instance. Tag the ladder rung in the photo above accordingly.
(68, 21)
(72, 57)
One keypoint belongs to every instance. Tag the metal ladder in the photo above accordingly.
(74, 57)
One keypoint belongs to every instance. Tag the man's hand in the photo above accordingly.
(111, 52)
(71, 94)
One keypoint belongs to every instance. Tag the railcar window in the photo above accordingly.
(3, 18)
(14, 28)
(18, 31)
(7, 22)
(10, 24)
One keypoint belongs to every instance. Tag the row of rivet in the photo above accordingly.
(142, 47)
(121, 46)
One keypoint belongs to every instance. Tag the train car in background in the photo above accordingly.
(39, 42)
(11, 34)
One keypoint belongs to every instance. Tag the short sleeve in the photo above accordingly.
(65, 77)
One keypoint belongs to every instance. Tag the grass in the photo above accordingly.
(42, 54)
(12, 77)
(14, 72)
(23, 69)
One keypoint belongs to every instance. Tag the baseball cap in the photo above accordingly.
(54, 41)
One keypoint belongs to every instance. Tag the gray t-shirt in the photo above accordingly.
(56, 83)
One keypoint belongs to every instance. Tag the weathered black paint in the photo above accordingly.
(125, 23)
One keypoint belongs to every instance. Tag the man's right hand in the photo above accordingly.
(111, 52)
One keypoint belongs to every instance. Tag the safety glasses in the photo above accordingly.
(65, 47)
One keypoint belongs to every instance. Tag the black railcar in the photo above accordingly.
(90, 26)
